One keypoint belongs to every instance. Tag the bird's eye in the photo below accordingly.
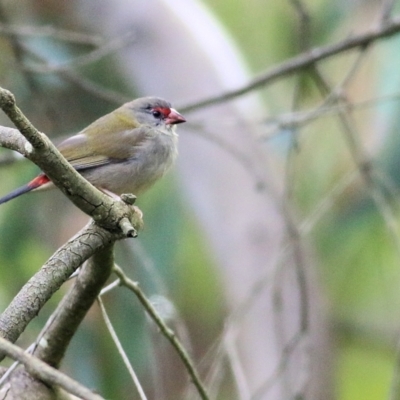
(156, 114)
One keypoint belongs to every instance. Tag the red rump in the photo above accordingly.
(38, 181)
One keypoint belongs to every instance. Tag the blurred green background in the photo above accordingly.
(355, 253)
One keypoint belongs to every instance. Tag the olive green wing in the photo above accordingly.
(85, 150)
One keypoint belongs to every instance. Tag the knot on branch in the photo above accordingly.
(130, 224)
(120, 216)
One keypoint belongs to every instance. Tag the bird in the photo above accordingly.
(125, 151)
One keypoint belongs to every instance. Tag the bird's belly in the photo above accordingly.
(126, 177)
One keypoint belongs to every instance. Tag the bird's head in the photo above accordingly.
(156, 112)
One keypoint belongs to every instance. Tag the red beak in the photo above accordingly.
(174, 118)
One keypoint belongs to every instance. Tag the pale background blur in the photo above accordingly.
(268, 188)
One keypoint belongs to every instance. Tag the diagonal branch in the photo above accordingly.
(44, 372)
(303, 60)
(74, 306)
(91, 57)
(39, 289)
(165, 330)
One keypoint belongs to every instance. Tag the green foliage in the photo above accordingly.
(364, 372)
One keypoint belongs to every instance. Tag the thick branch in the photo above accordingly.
(38, 290)
(44, 372)
(74, 306)
(303, 60)
(12, 139)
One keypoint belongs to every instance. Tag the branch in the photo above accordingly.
(73, 76)
(12, 139)
(303, 60)
(121, 350)
(49, 31)
(74, 306)
(165, 330)
(38, 290)
(45, 373)
(91, 57)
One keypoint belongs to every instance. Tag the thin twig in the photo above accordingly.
(76, 78)
(245, 160)
(110, 287)
(280, 368)
(240, 378)
(120, 349)
(364, 163)
(303, 60)
(285, 121)
(165, 330)
(293, 236)
(327, 202)
(89, 58)
(14, 366)
(49, 31)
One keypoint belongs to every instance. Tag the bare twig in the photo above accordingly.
(241, 157)
(301, 61)
(327, 202)
(167, 332)
(284, 361)
(20, 57)
(73, 76)
(44, 372)
(240, 378)
(361, 158)
(111, 286)
(293, 237)
(7, 373)
(108, 48)
(121, 351)
(49, 31)
(92, 87)
(280, 123)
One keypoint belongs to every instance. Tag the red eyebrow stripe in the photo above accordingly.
(163, 110)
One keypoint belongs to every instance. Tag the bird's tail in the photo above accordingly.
(33, 184)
